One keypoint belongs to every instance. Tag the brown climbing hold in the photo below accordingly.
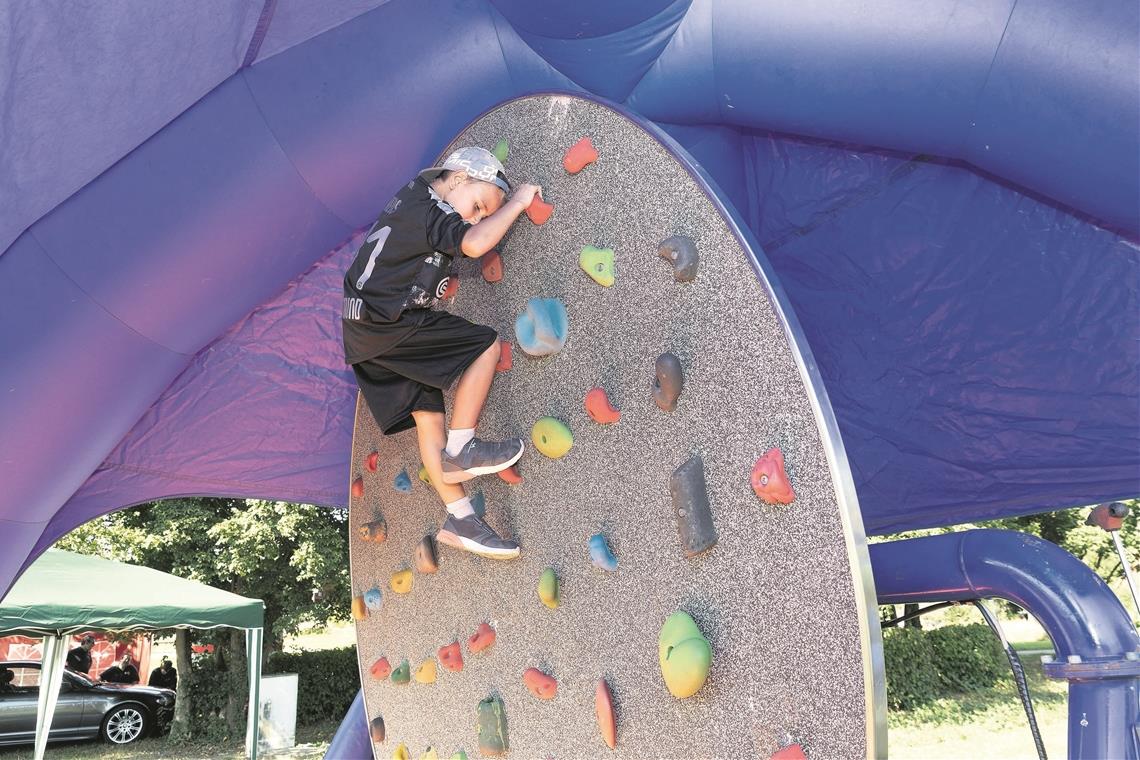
(504, 356)
(770, 479)
(376, 729)
(669, 381)
(482, 639)
(580, 155)
(359, 609)
(401, 581)
(492, 265)
(451, 657)
(540, 684)
(681, 252)
(599, 408)
(375, 532)
(380, 669)
(511, 475)
(604, 708)
(371, 461)
(790, 752)
(357, 489)
(539, 210)
(425, 555)
(452, 287)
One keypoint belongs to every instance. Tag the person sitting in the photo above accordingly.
(6, 678)
(124, 672)
(165, 676)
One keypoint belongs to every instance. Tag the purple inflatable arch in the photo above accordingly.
(948, 194)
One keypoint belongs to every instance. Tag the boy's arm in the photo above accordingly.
(484, 236)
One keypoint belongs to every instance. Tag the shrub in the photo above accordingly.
(327, 681)
(911, 677)
(967, 657)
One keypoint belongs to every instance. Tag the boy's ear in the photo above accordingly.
(457, 179)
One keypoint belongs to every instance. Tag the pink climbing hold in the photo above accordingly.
(770, 480)
(599, 408)
(482, 639)
(540, 684)
(357, 489)
(372, 461)
(511, 475)
(505, 361)
(790, 752)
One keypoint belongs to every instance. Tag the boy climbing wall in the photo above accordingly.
(404, 354)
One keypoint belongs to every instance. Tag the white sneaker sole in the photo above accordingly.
(448, 538)
(462, 476)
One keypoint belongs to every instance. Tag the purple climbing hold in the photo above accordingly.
(541, 330)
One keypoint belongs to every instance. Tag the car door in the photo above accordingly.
(18, 708)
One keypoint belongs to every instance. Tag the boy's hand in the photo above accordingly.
(525, 194)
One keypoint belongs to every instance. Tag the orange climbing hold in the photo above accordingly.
(451, 657)
(790, 752)
(380, 669)
(604, 708)
(482, 639)
(371, 461)
(505, 361)
(540, 684)
(357, 489)
(492, 264)
(580, 155)
(511, 475)
(539, 210)
(770, 479)
(452, 287)
(599, 408)
(359, 610)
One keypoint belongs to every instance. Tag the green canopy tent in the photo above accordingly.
(64, 593)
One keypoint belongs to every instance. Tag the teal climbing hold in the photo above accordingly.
(541, 330)
(403, 483)
(600, 553)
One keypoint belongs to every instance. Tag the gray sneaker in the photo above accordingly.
(480, 457)
(472, 534)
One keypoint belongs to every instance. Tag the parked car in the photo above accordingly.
(87, 708)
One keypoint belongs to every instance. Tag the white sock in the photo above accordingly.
(460, 508)
(457, 439)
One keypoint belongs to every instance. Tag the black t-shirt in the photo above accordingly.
(115, 674)
(79, 660)
(403, 264)
(167, 680)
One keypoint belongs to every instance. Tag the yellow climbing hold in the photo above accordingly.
(401, 581)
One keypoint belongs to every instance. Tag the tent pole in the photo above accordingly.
(51, 675)
(253, 639)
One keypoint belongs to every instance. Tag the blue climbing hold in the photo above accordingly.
(600, 553)
(403, 483)
(541, 330)
(373, 598)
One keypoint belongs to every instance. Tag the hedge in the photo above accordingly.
(327, 681)
(911, 677)
(924, 665)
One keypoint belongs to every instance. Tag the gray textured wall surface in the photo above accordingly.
(775, 597)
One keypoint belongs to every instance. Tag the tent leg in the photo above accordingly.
(253, 640)
(51, 676)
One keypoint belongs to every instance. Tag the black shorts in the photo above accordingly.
(413, 373)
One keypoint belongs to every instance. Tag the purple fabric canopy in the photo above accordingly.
(176, 222)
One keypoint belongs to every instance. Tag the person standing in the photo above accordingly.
(79, 658)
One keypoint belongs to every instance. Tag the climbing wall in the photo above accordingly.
(775, 596)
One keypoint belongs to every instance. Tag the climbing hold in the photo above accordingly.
(359, 609)
(479, 503)
(604, 709)
(668, 383)
(681, 252)
(402, 674)
(373, 599)
(505, 362)
(372, 461)
(599, 264)
(580, 155)
(511, 475)
(790, 752)
(402, 483)
(402, 753)
(459, 755)
(430, 754)
(492, 727)
(380, 669)
(401, 581)
(357, 489)
(541, 330)
(540, 684)
(482, 639)
(551, 437)
(539, 210)
(600, 553)
(423, 474)
(492, 266)
(599, 408)
(425, 556)
(425, 673)
(770, 479)
(691, 507)
(684, 654)
(1108, 516)
(376, 729)
(502, 148)
(451, 657)
(451, 288)
(375, 532)
(548, 588)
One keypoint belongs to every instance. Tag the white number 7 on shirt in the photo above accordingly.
(379, 237)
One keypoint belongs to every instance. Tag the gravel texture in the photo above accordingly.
(775, 597)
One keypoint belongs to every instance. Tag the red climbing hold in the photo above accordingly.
(580, 155)
(492, 265)
(504, 356)
(790, 752)
(452, 287)
(599, 408)
(483, 638)
(451, 657)
(770, 480)
(357, 488)
(380, 669)
(604, 708)
(511, 475)
(540, 684)
(371, 461)
(539, 210)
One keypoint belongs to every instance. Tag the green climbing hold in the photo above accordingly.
(402, 674)
(551, 437)
(424, 475)
(459, 755)
(684, 654)
(548, 588)
(492, 727)
(501, 150)
(599, 264)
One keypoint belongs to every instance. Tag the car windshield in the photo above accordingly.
(82, 678)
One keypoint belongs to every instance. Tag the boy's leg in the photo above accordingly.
(463, 529)
(471, 392)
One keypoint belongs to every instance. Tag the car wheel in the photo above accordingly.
(124, 724)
